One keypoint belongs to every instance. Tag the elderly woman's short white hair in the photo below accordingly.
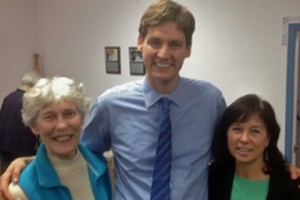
(51, 91)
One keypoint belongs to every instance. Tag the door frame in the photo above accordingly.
(290, 121)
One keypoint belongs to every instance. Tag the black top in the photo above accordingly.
(15, 138)
(281, 187)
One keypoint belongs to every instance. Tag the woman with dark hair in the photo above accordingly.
(248, 164)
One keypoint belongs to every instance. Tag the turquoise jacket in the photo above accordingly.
(40, 181)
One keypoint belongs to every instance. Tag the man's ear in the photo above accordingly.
(140, 43)
(189, 50)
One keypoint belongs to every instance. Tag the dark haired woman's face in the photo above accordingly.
(248, 140)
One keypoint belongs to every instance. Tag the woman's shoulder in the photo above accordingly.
(17, 192)
(281, 184)
(220, 171)
(283, 175)
(220, 180)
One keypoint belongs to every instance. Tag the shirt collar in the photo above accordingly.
(152, 96)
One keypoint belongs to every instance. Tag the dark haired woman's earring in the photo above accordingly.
(267, 159)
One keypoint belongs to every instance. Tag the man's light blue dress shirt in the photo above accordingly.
(125, 118)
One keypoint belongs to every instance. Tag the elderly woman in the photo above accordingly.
(55, 109)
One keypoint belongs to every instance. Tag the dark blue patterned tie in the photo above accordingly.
(160, 189)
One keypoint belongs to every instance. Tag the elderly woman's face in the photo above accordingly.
(59, 126)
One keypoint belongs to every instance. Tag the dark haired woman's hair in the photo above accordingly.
(240, 111)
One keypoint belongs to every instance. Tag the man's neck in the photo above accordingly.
(163, 87)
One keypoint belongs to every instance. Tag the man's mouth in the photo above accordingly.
(163, 65)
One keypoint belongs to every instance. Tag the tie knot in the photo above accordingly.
(166, 102)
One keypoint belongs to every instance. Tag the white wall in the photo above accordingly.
(237, 43)
(18, 42)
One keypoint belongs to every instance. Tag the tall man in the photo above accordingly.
(126, 118)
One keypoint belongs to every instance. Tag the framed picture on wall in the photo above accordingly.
(112, 60)
(136, 62)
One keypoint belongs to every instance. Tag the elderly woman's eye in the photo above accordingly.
(48, 117)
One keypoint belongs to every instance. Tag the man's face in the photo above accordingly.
(164, 49)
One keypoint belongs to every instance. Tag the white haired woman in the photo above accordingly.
(55, 109)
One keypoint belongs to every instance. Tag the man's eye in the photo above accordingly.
(154, 42)
(176, 45)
